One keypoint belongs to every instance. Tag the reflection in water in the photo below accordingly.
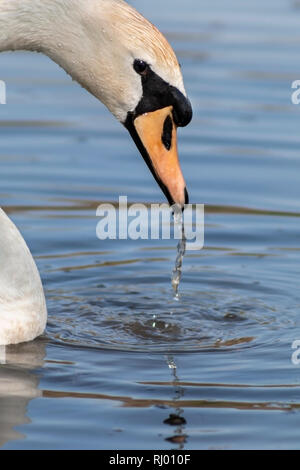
(2, 354)
(18, 386)
(176, 418)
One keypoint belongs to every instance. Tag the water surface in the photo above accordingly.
(120, 355)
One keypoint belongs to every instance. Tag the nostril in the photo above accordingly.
(167, 133)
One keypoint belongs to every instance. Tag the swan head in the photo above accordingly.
(160, 107)
(137, 76)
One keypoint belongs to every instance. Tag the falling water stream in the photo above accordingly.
(179, 227)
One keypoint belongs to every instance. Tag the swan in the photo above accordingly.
(125, 62)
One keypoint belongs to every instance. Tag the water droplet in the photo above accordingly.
(171, 364)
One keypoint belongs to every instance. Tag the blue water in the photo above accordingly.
(120, 354)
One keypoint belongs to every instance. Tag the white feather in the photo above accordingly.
(23, 312)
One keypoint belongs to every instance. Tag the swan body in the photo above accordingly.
(23, 312)
(126, 63)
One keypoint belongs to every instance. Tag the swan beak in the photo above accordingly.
(158, 135)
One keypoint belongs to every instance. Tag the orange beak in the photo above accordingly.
(157, 133)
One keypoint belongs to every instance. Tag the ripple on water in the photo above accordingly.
(133, 321)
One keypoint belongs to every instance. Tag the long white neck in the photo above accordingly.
(36, 25)
(79, 35)
(56, 28)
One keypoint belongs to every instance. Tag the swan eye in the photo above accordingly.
(140, 66)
